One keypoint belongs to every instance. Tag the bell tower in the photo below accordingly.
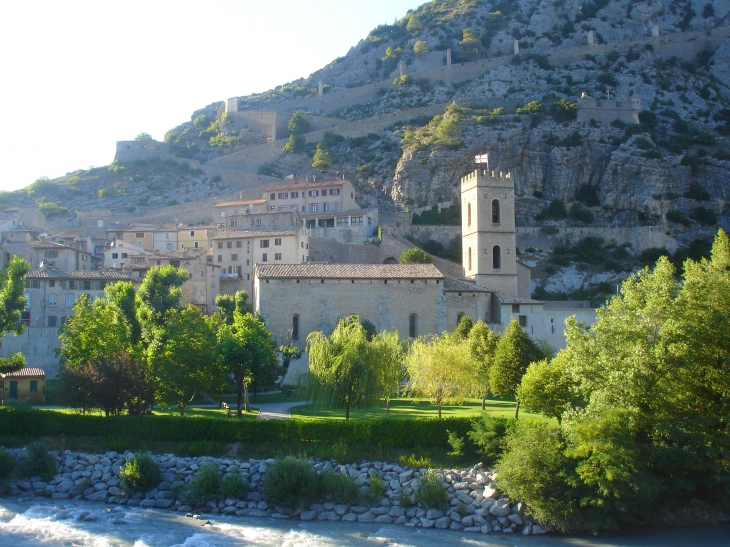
(488, 230)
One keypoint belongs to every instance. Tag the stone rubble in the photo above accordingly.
(474, 502)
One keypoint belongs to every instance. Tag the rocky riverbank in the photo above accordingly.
(474, 503)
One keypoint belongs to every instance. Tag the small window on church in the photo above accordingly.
(412, 325)
(523, 320)
(295, 327)
(469, 259)
(495, 211)
(468, 214)
(496, 257)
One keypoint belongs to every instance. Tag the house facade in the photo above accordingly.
(28, 383)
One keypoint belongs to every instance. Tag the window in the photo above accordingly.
(277, 256)
(234, 223)
(51, 253)
(168, 246)
(283, 195)
(234, 258)
(325, 207)
(334, 206)
(295, 195)
(34, 383)
(52, 300)
(139, 235)
(167, 235)
(277, 241)
(25, 318)
(220, 258)
(468, 214)
(192, 233)
(522, 320)
(264, 258)
(239, 244)
(258, 221)
(69, 300)
(140, 243)
(99, 223)
(248, 262)
(469, 258)
(294, 207)
(412, 325)
(356, 221)
(341, 221)
(295, 327)
(87, 285)
(313, 208)
(220, 244)
(264, 244)
(195, 245)
(284, 207)
(496, 257)
(495, 211)
(115, 256)
(324, 192)
(51, 282)
(64, 319)
(229, 244)
(27, 300)
(33, 283)
(273, 207)
(515, 308)
(272, 197)
(124, 255)
(335, 192)
(52, 321)
(313, 193)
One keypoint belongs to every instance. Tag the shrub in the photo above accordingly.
(414, 256)
(588, 195)
(142, 474)
(234, 485)
(696, 192)
(338, 488)
(204, 486)
(705, 216)
(291, 483)
(7, 465)
(557, 209)
(431, 492)
(39, 462)
(581, 214)
(375, 489)
(455, 442)
(487, 434)
(679, 217)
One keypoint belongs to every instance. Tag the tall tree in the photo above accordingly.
(181, 359)
(228, 304)
(439, 367)
(482, 343)
(549, 389)
(389, 356)
(158, 295)
(12, 303)
(246, 351)
(341, 370)
(514, 353)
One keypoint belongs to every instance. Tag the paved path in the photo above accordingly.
(276, 411)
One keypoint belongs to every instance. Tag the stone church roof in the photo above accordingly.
(348, 271)
(452, 284)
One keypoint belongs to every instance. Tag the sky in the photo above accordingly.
(77, 76)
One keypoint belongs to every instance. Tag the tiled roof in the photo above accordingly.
(244, 202)
(232, 234)
(77, 274)
(180, 253)
(506, 298)
(452, 284)
(349, 271)
(307, 185)
(27, 372)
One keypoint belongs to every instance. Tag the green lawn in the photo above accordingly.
(404, 407)
(190, 412)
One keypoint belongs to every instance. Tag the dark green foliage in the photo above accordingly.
(648, 118)
(414, 256)
(202, 448)
(7, 467)
(705, 216)
(608, 78)
(708, 11)
(434, 248)
(431, 493)
(679, 217)
(291, 483)
(588, 195)
(555, 210)
(392, 432)
(464, 327)
(450, 216)
(696, 192)
(204, 486)
(564, 110)
(233, 485)
(142, 474)
(269, 170)
(338, 488)
(581, 214)
(39, 462)
(488, 435)
(650, 256)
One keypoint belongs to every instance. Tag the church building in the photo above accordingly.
(417, 299)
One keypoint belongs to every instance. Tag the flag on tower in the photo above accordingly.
(484, 158)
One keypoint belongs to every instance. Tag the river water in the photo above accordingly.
(50, 523)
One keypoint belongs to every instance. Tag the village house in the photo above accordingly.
(221, 211)
(195, 237)
(22, 218)
(162, 238)
(29, 383)
(56, 254)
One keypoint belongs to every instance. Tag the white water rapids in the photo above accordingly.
(50, 523)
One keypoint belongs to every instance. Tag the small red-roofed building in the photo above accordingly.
(28, 384)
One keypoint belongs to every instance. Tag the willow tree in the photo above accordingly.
(12, 303)
(440, 368)
(482, 343)
(342, 370)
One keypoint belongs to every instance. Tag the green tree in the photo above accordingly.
(439, 368)
(159, 295)
(414, 25)
(513, 354)
(322, 160)
(294, 144)
(298, 124)
(143, 137)
(341, 368)
(246, 351)
(389, 357)
(12, 303)
(464, 327)
(415, 255)
(229, 304)
(181, 359)
(548, 388)
(420, 47)
(482, 343)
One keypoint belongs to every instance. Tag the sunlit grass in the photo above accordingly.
(190, 412)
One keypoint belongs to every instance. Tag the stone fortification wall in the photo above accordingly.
(640, 238)
(38, 345)
(269, 122)
(345, 234)
(239, 180)
(443, 234)
(129, 151)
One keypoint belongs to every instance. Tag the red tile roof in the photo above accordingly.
(307, 185)
(348, 271)
(27, 372)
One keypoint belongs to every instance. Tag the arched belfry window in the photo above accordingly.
(495, 211)
(468, 214)
(295, 327)
(469, 259)
(496, 257)
(412, 325)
